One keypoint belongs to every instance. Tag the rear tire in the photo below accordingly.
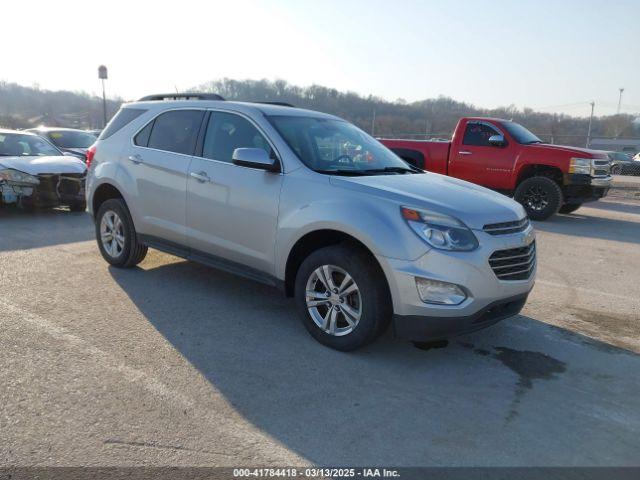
(116, 235)
(364, 311)
(541, 197)
(570, 207)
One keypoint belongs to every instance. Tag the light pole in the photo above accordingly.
(620, 99)
(590, 122)
(102, 75)
(373, 123)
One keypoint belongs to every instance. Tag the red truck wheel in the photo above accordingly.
(541, 197)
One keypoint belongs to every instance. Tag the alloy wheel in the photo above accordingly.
(333, 300)
(536, 198)
(112, 233)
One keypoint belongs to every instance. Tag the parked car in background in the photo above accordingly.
(309, 203)
(34, 173)
(505, 156)
(69, 140)
(623, 164)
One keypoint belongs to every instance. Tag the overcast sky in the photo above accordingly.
(547, 55)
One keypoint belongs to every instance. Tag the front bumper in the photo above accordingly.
(580, 188)
(488, 301)
(53, 190)
(423, 328)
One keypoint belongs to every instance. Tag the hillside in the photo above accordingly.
(23, 107)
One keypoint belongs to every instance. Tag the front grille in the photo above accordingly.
(54, 189)
(506, 228)
(601, 167)
(514, 263)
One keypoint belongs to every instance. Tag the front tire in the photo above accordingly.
(116, 235)
(616, 170)
(541, 197)
(343, 297)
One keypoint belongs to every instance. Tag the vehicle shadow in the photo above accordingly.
(520, 393)
(584, 225)
(26, 229)
(615, 207)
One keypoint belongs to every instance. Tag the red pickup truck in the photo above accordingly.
(505, 156)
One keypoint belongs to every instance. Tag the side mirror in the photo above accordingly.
(255, 158)
(497, 141)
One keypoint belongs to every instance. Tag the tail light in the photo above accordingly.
(91, 152)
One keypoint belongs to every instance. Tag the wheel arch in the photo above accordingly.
(411, 156)
(103, 192)
(314, 240)
(539, 170)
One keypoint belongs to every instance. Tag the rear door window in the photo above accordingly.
(478, 134)
(176, 131)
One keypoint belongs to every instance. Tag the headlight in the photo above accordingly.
(11, 175)
(440, 231)
(580, 165)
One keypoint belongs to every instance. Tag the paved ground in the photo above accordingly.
(177, 364)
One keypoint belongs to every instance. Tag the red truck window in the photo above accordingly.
(478, 134)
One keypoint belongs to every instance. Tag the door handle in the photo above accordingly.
(465, 152)
(202, 177)
(137, 159)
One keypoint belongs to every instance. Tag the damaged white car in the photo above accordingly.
(34, 173)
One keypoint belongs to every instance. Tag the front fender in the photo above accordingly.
(374, 222)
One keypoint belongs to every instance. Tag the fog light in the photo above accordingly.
(440, 293)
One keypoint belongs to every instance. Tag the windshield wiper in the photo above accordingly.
(534, 141)
(339, 171)
(394, 170)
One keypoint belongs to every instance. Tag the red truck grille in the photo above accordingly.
(514, 263)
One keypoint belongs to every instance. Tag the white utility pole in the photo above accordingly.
(620, 99)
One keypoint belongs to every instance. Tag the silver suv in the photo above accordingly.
(311, 204)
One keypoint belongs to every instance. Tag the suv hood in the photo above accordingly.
(476, 206)
(39, 165)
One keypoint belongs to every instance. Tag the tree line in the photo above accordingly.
(22, 107)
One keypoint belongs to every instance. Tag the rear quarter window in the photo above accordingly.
(122, 118)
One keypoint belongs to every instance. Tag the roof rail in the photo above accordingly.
(282, 104)
(181, 96)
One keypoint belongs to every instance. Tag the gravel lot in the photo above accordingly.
(174, 363)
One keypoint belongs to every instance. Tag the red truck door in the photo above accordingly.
(475, 159)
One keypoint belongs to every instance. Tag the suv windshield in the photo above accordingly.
(71, 139)
(520, 134)
(15, 144)
(336, 147)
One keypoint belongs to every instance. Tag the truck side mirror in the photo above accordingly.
(497, 141)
